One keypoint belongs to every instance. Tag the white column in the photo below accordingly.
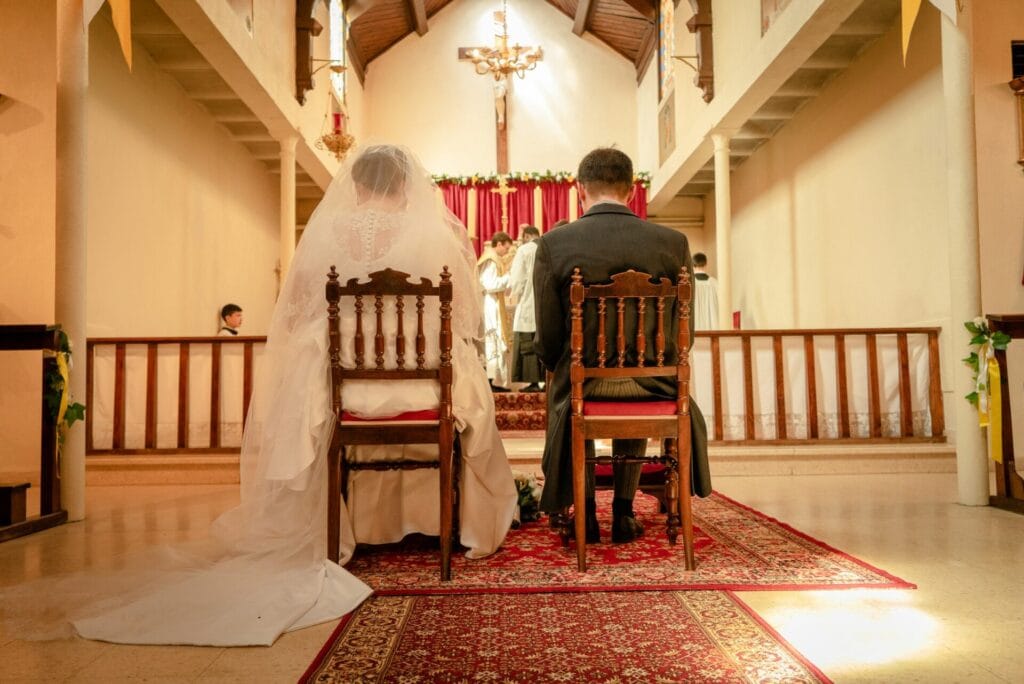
(964, 262)
(723, 228)
(70, 251)
(287, 204)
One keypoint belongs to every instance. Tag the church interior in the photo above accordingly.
(853, 170)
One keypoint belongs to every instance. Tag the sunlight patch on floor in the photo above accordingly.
(837, 629)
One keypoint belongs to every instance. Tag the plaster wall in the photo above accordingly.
(1000, 178)
(581, 96)
(268, 53)
(181, 218)
(840, 219)
(748, 67)
(27, 217)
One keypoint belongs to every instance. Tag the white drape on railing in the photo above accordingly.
(795, 386)
(101, 412)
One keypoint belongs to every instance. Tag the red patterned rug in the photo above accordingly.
(701, 636)
(737, 548)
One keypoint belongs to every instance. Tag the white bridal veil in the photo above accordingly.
(264, 570)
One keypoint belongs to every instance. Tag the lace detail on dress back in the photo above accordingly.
(372, 235)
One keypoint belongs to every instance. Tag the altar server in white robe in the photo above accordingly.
(705, 295)
(266, 571)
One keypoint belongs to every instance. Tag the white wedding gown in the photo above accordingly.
(265, 571)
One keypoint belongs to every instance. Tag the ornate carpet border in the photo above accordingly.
(732, 641)
(893, 582)
(756, 617)
(896, 582)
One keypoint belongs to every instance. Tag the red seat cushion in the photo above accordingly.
(629, 408)
(605, 471)
(408, 416)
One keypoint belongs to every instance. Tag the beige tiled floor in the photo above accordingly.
(965, 622)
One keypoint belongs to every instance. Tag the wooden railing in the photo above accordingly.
(185, 347)
(842, 398)
(727, 358)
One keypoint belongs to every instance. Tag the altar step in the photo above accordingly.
(520, 411)
(524, 454)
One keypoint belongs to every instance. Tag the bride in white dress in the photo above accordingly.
(267, 571)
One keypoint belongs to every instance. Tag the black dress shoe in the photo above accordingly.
(625, 529)
(592, 535)
(532, 388)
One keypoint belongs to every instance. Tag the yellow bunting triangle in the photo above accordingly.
(122, 13)
(909, 9)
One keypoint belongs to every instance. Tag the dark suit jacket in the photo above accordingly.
(606, 240)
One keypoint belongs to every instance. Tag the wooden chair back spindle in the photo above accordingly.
(630, 290)
(384, 285)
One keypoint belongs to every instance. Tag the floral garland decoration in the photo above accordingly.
(984, 344)
(62, 410)
(642, 177)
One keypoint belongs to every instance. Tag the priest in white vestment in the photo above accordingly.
(494, 275)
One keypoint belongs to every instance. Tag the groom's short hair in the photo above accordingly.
(606, 169)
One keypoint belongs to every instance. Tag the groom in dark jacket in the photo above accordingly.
(607, 239)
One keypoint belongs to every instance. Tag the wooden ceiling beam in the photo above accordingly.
(646, 52)
(418, 16)
(645, 8)
(355, 59)
(579, 24)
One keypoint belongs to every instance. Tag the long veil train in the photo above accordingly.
(264, 569)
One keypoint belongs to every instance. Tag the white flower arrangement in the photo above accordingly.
(528, 489)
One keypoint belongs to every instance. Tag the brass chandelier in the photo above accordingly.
(503, 59)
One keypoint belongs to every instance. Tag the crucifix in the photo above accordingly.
(501, 61)
(504, 190)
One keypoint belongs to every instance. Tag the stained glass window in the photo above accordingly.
(666, 47)
(338, 46)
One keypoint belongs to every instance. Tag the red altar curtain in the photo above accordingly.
(555, 202)
(520, 206)
(456, 197)
(488, 221)
(520, 210)
(638, 205)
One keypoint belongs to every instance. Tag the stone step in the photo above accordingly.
(524, 454)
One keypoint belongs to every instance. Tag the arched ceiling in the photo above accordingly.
(629, 27)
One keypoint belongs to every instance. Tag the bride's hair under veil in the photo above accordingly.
(264, 569)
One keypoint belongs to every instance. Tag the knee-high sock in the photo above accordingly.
(626, 475)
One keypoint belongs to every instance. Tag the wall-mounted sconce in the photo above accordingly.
(685, 59)
(1017, 86)
(333, 64)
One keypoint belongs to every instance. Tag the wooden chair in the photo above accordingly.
(669, 421)
(418, 427)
